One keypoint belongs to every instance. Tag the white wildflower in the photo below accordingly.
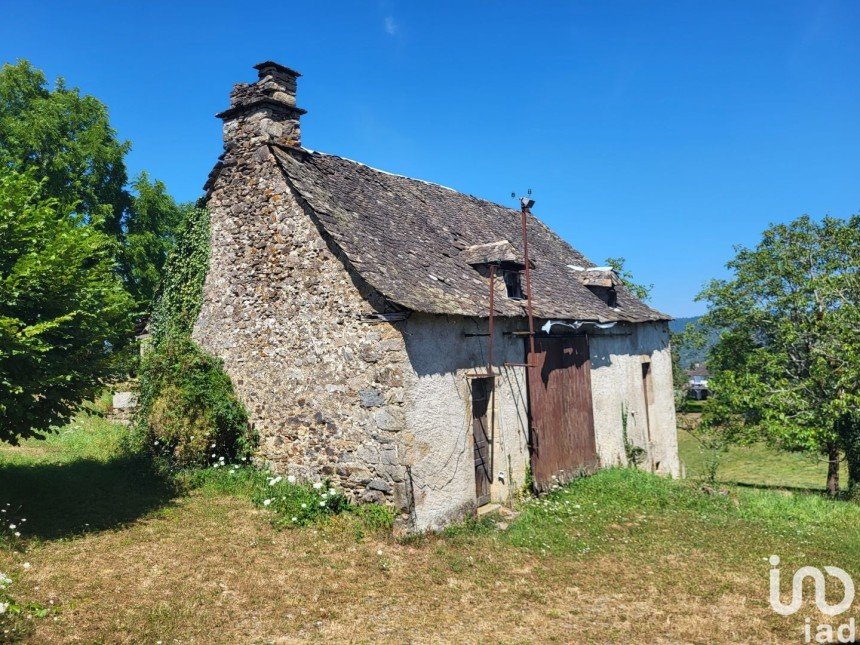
(13, 526)
(322, 503)
(379, 552)
(318, 485)
(266, 502)
(3, 607)
(275, 480)
(17, 534)
(291, 479)
(295, 519)
(304, 505)
(26, 565)
(332, 491)
(5, 580)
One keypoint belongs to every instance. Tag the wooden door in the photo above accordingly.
(482, 389)
(562, 431)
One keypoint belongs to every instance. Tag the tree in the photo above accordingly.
(641, 291)
(787, 364)
(150, 233)
(62, 307)
(67, 140)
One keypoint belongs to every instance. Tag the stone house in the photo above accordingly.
(351, 308)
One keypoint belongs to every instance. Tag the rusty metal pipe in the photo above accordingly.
(525, 211)
(492, 307)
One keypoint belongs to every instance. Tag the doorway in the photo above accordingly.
(482, 391)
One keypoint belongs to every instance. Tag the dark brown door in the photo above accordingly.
(481, 391)
(562, 436)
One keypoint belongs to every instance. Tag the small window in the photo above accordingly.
(513, 285)
(607, 294)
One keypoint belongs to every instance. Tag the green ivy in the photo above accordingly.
(189, 412)
(179, 299)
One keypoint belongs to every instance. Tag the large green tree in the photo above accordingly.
(64, 138)
(149, 235)
(67, 140)
(63, 307)
(787, 364)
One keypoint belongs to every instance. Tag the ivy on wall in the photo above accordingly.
(178, 302)
(189, 412)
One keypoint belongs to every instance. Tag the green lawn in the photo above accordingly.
(117, 551)
(758, 465)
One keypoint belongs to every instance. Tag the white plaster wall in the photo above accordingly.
(438, 415)
(438, 435)
(616, 383)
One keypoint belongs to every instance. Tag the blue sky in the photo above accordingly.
(665, 132)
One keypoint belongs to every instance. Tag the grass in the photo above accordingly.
(759, 466)
(80, 479)
(619, 556)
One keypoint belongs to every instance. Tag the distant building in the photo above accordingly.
(697, 383)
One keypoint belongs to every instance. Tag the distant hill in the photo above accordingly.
(690, 355)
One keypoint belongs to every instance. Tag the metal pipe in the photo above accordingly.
(525, 211)
(492, 307)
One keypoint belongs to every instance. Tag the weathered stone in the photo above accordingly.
(124, 400)
(380, 485)
(385, 420)
(371, 398)
(285, 314)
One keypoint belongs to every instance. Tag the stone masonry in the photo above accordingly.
(323, 387)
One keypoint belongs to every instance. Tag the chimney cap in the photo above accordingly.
(269, 64)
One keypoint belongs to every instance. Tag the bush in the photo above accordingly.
(189, 412)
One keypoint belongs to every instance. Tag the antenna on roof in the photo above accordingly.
(525, 202)
(528, 192)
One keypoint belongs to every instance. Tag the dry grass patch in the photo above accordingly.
(620, 556)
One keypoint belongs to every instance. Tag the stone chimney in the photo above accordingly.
(265, 111)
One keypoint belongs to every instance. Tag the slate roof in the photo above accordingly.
(411, 240)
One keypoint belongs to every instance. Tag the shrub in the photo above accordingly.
(189, 412)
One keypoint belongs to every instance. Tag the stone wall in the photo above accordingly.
(323, 388)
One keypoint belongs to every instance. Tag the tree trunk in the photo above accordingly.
(833, 470)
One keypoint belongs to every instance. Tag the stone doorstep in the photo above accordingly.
(488, 509)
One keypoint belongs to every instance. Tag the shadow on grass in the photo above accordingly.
(777, 487)
(61, 500)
